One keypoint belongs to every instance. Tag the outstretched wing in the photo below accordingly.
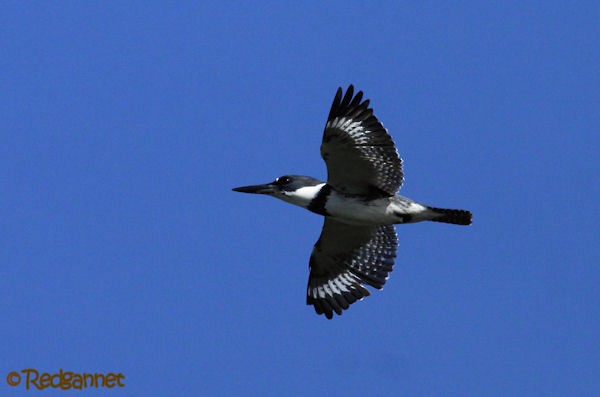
(344, 259)
(360, 154)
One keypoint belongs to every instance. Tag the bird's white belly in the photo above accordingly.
(360, 212)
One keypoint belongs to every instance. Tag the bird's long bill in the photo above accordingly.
(256, 189)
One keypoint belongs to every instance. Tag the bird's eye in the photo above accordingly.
(283, 180)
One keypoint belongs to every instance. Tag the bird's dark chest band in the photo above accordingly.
(317, 205)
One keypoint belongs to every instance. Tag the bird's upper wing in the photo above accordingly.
(344, 259)
(360, 154)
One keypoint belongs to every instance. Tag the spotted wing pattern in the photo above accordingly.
(360, 154)
(344, 259)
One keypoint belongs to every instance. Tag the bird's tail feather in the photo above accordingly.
(456, 217)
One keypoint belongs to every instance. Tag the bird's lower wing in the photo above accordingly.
(344, 260)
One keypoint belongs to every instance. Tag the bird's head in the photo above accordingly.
(295, 189)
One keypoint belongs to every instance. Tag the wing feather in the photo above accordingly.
(344, 260)
(360, 155)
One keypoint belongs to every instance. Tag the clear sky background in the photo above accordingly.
(123, 249)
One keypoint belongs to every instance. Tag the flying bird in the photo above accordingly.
(359, 201)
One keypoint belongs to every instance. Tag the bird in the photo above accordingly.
(358, 242)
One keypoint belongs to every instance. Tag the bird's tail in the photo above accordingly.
(456, 217)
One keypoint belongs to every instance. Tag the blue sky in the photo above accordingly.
(123, 249)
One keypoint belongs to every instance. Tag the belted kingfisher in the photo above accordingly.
(358, 242)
